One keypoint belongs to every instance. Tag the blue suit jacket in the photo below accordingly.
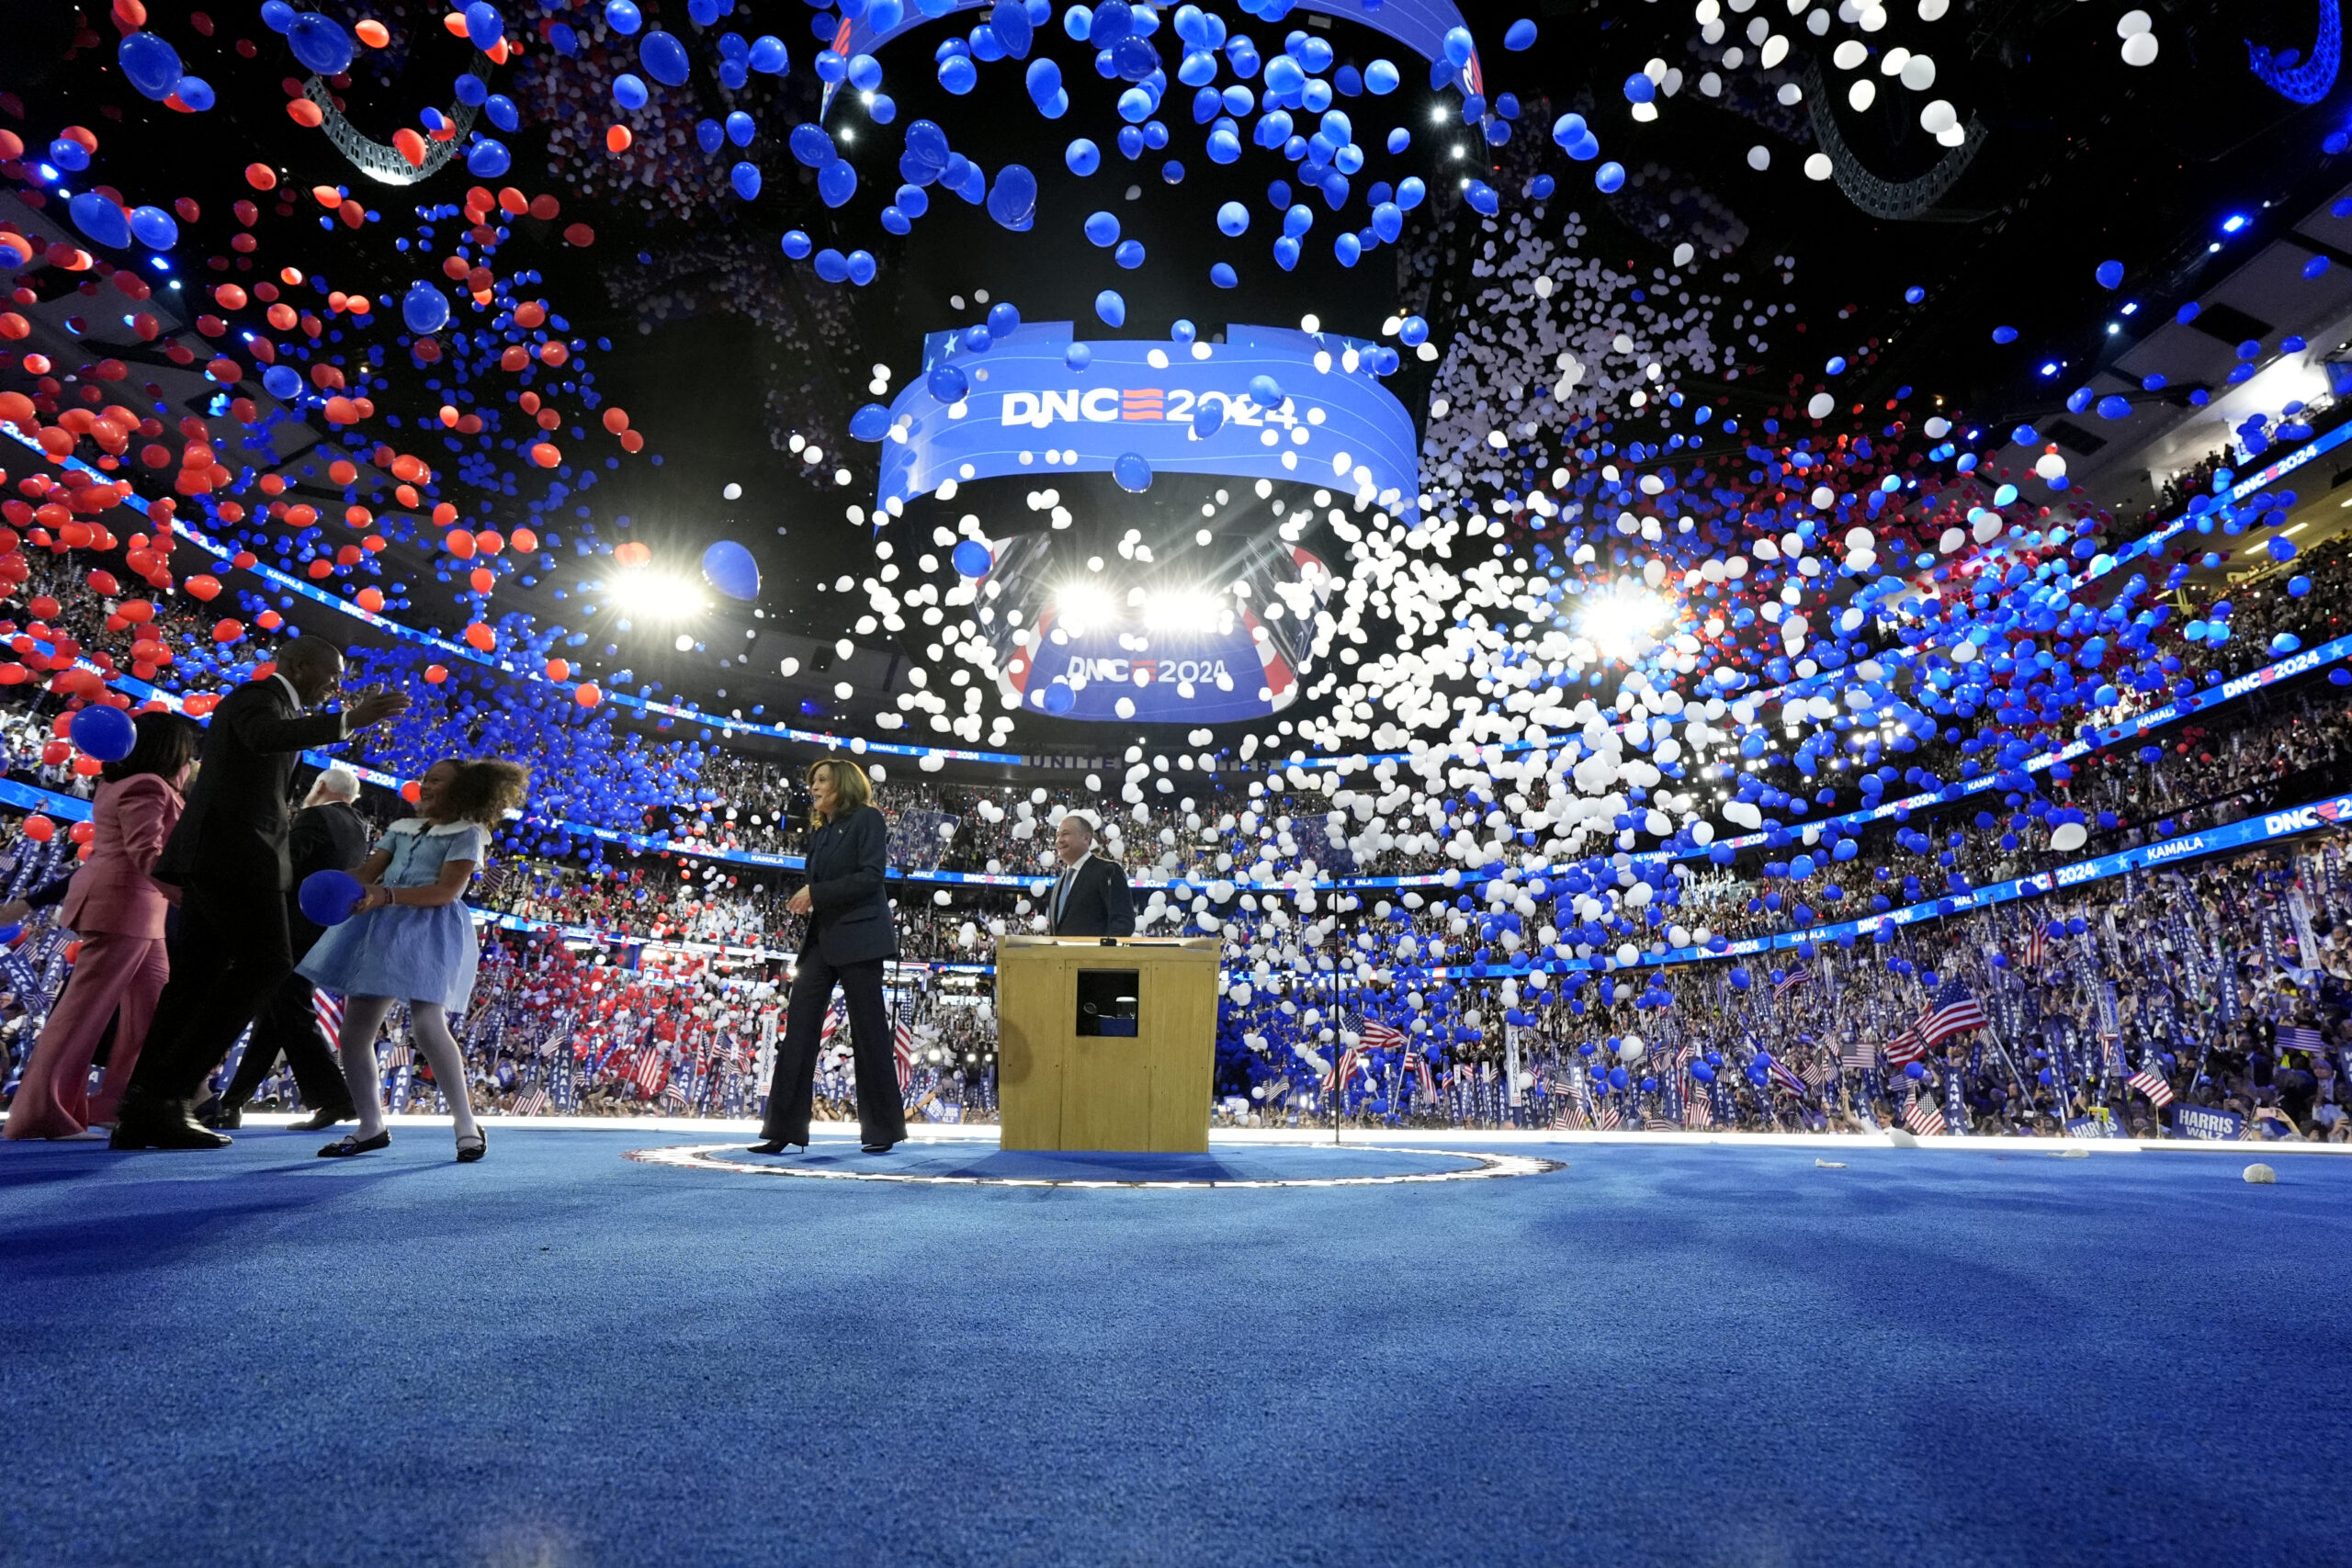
(849, 920)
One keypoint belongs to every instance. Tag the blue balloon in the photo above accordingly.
(1082, 157)
(958, 74)
(1265, 391)
(769, 57)
(728, 567)
(1005, 319)
(154, 228)
(1208, 418)
(862, 267)
(948, 383)
(740, 128)
(664, 59)
(1459, 46)
(319, 43)
(623, 17)
(1058, 698)
(277, 15)
(2110, 274)
(105, 733)
(425, 309)
(100, 220)
(1129, 253)
(150, 65)
(195, 92)
(1609, 178)
(796, 244)
(745, 178)
(1233, 218)
(1111, 308)
(484, 27)
(1519, 34)
(328, 897)
(1079, 356)
(972, 558)
(871, 423)
(1102, 229)
(1132, 471)
(836, 182)
(630, 91)
(1223, 276)
(1012, 201)
(811, 146)
(282, 382)
(488, 158)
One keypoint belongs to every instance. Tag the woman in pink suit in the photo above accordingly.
(118, 912)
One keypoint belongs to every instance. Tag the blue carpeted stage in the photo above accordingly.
(1668, 1354)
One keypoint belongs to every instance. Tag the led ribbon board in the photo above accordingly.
(1029, 409)
(1420, 25)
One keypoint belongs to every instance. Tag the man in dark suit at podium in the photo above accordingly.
(1091, 896)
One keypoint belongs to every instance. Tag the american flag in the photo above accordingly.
(1818, 1072)
(1906, 1048)
(835, 1016)
(1380, 1036)
(399, 1056)
(327, 1007)
(1922, 1117)
(652, 1068)
(1858, 1055)
(2150, 1082)
(1570, 1116)
(1696, 1112)
(1604, 1115)
(902, 1052)
(532, 1100)
(1955, 1013)
(1662, 1124)
(2300, 1037)
(1790, 981)
(2034, 943)
(1783, 1078)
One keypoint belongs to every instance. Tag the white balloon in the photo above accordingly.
(2133, 22)
(1818, 167)
(1919, 72)
(1760, 157)
(2069, 836)
(1939, 117)
(1821, 405)
(2140, 49)
(1933, 10)
(1862, 94)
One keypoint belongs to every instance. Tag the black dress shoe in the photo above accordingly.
(325, 1117)
(876, 1148)
(163, 1125)
(228, 1120)
(777, 1147)
(353, 1143)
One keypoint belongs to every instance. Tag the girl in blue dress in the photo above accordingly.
(409, 937)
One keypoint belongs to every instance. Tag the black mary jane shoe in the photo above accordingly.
(777, 1147)
(353, 1143)
(473, 1149)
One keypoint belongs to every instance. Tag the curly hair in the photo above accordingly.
(485, 789)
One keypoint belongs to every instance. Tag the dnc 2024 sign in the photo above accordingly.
(1029, 407)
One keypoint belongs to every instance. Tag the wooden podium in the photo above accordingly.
(1106, 1047)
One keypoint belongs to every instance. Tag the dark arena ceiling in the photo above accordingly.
(1683, 287)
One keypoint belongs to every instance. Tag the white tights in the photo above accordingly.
(429, 1025)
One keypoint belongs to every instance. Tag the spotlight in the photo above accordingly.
(1622, 623)
(656, 597)
(2233, 222)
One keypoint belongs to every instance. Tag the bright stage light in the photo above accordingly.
(657, 596)
(1084, 604)
(1186, 610)
(1624, 623)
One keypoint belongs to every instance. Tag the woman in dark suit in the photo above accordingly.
(849, 934)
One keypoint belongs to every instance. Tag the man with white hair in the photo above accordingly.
(327, 834)
(1091, 896)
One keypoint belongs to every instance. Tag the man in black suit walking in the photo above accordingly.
(229, 858)
(328, 835)
(1091, 897)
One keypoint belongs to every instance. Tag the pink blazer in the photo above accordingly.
(112, 891)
